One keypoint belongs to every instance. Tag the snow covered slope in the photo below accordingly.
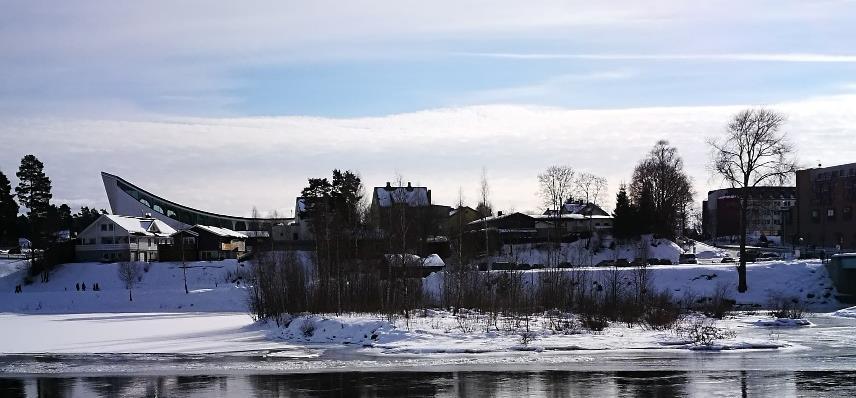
(577, 253)
(212, 286)
(805, 280)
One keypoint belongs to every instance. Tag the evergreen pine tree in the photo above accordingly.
(624, 225)
(34, 193)
(8, 212)
(646, 212)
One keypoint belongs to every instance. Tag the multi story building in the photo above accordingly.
(122, 238)
(826, 199)
(767, 207)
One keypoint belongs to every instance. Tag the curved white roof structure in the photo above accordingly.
(130, 200)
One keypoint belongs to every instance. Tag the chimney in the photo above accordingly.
(409, 186)
(388, 186)
(499, 214)
(147, 215)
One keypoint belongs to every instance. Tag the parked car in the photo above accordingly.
(688, 258)
(606, 263)
(727, 260)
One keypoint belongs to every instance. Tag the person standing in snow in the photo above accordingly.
(83, 286)
(77, 286)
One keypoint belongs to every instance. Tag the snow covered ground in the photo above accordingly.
(162, 333)
(214, 287)
(805, 280)
(54, 317)
(577, 253)
(440, 332)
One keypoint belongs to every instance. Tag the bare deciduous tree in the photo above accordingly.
(591, 187)
(754, 152)
(556, 185)
(484, 208)
(130, 273)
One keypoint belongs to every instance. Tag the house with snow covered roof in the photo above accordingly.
(577, 207)
(410, 196)
(122, 238)
(388, 198)
(422, 220)
(204, 242)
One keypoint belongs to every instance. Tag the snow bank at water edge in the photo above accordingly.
(440, 332)
(845, 313)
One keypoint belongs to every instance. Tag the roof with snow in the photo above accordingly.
(570, 217)
(141, 225)
(409, 195)
(222, 232)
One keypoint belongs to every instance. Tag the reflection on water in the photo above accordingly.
(447, 384)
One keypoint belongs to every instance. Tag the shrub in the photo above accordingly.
(662, 312)
(718, 305)
(594, 322)
(786, 307)
(307, 328)
(703, 331)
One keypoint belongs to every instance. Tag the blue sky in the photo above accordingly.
(221, 68)
(367, 58)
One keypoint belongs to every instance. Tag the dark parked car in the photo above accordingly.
(688, 258)
(727, 260)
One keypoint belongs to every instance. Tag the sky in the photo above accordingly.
(228, 105)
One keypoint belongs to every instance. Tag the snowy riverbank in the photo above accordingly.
(440, 332)
(214, 286)
(218, 286)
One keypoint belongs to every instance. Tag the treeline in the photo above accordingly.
(43, 221)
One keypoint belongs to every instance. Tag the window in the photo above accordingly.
(158, 209)
(103, 227)
(133, 239)
(109, 227)
(847, 213)
(830, 214)
(106, 240)
(815, 215)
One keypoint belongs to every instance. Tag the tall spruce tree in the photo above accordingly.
(646, 212)
(8, 212)
(34, 193)
(624, 226)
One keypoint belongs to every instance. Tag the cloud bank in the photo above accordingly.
(229, 165)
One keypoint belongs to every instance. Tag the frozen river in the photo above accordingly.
(202, 355)
(229, 343)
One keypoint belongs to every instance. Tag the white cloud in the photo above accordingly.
(749, 57)
(230, 164)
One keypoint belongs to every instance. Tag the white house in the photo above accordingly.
(122, 238)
